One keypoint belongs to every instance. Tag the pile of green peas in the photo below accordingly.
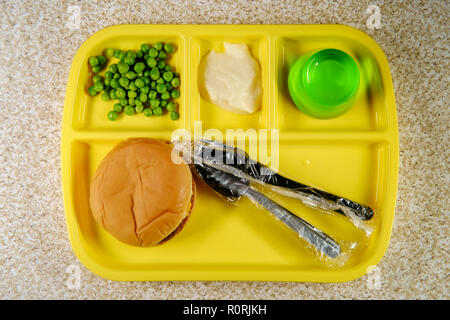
(141, 81)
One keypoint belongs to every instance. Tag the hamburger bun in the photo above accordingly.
(139, 195)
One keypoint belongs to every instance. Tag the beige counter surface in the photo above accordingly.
(37, 44)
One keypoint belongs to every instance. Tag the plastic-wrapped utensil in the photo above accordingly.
(231, 186)
(235, 160)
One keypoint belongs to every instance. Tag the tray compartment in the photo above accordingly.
(89, 113)
(249, 239)
(211, 115)
(369, 111)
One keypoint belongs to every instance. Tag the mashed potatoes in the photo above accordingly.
(232, 79)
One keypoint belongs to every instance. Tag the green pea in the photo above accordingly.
(139, 74)
(154, 103)
(158, 111)
(163, 103)
(129, 110)
(139, 108)
(158, 46)
(151, 62)
(97, 69)
(113, 68)
(97, 78)
(123, 67)
(132, 86)
(112, 115)
(143, 97)
(132, 102)
(146, 80)
(118, 107)
(168, 87)
(120, 93)
(153, 85)
(168, 47)
(175, 82)
(165, 96)
(145, 89)
(154, 74)
(123, 102)
(171, 106)
(147, 73)
(161, 64)
(92, 92)
(131, 54)
(132, 94)
(117, 53)
(139, 103)
(109, 52)
(145, 47)
(146, 56)
(152, 95)
(175, 93)
(160, 80)
(168, 68)
(130, 75)
(129, 61)
(161, 88)
(153, 53)
(168, 76)
(109, 75)
(139, 54)
(124, 81)
(114, 83)
(93, 61)
(162, 55)
(117, 76)
(105, 96)
(148, 112)
(98, 86)
(101, 60)
(139, 83)
(174, 115)
(139, 67)
(122, 56)
(113, 94)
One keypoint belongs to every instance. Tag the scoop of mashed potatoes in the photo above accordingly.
(232, 79)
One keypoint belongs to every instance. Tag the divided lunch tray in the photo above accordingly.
(354, 155)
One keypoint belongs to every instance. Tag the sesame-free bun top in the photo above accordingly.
(139, 195)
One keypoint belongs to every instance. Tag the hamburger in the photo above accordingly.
(139, 195)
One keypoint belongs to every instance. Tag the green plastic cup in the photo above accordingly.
(324, 84)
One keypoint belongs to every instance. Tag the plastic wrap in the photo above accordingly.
(232, 174)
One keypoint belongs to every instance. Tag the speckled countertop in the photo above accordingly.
(37, 44)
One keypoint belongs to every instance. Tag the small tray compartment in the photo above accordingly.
(211, 115)
(89, 113)
(369, 111)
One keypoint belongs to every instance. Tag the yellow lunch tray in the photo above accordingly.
(354, 156)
